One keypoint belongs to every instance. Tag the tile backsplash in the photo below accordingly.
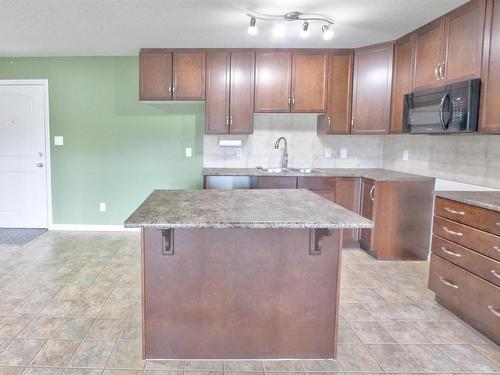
(469, 158)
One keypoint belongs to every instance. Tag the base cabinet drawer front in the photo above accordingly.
(476, 217)
(276, 182)
(316, 183)
(473, 299)
(480, 265)
(475, 239)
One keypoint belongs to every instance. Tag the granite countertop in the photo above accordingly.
(377, 174)
(485, 199)
(289, 208)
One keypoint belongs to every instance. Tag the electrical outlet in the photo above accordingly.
(58, 140)
(328, 153)
(189, 152)
(343, 153)
(405, 155)
(102, 206)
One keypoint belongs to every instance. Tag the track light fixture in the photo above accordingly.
(327, 28)
(252, 28)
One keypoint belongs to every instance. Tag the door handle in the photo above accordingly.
(39, 165)
(371, 193)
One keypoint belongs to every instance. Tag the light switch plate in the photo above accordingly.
(328, 153)
(405, 155)
(189, 152)
(343, 153)
(102, 206)
(58, 140)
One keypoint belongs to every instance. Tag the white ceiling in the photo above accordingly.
(122, 27)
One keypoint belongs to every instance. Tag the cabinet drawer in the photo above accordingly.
(473, 299)
(475, 239)
(476, 217)
(316, 183)
(276, 182)
(476, 263)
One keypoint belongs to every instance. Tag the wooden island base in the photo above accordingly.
(240, 293)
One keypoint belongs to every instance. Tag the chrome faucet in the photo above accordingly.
(284, 158)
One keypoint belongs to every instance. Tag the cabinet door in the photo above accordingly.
(217, 95)
(429, 54)
(242, 92)
(337, 119)
(328, 194)
(372, 89)
(367, 199)
(490, 110)
(189, 75)
(465, 29)
(309, 71)
(276, 182)
(272, 81)
(348, 196)
(401, 84)
(155, 75)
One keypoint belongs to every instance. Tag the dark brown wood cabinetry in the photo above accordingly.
(276, 182)
(230, 92)
(347, 195)
(449, 49)
(401, 85)
(465, 264)
(372, 84)
(337, 119)
(367, 205)
(172, 75)
(287, 81)
(490, 94)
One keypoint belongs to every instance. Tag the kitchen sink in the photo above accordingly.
(272, 170)
(304, 170)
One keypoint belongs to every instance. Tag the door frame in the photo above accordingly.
(48, 174)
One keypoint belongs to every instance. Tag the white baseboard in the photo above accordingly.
(92, 228)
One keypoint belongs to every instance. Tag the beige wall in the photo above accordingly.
(473, 159)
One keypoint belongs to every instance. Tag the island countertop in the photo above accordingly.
(268, 208)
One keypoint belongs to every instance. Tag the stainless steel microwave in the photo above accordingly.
(453, 108)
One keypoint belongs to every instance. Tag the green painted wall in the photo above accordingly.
(116, 149)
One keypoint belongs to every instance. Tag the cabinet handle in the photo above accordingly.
(494, 311)
(329, 121)
(451, 211)
(170, 89)
(293, 100)
(436, 72)
(452, 232)
(496, 248)
(230, 120)
(371, 192)
(498, 224)
(450, 252)
(289, 101)
(173, 90)
(448, 283)
(496, 274)
(441, 68)
(227, 120)
(352, 122)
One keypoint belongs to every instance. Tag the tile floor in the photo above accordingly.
(70, 304)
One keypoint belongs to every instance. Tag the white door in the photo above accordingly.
(23, 156)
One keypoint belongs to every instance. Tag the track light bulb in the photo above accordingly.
(304, 33)
(252, 28)
(328, 32)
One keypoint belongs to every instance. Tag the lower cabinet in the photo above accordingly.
(276, 182)
(367, 200)
(347, 195)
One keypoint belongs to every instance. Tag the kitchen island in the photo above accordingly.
(240, 273)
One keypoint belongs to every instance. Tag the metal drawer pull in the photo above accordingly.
(446, 282)
(450, 252)
(494, 311)
(451, 211)
(452, 232)
(371, 192)
(496, 248)
(497, 275)
(498, 224)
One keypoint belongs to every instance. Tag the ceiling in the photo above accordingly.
(122, 27)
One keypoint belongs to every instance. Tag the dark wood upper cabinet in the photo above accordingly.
(273, 70)
(188, 75)
(449, 49)
(429, 52)
(401, 84)
(242, 92)
(372, 89)
(337, 119)
(489, 120)
(155, 77)
(464, 44)
(348, 196)
(309, 71)
(217, 92)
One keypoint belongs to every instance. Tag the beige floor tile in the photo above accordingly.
(431, 358)
(116, 309)
(372, 333)
(56, 353)
(203, 366)
(127, 355)
(132, 330)
(248, 366)
(20, 351)
(82, 371)
(489, 350)
(41, 327)
(4, 342)
(122, 372)
(58, 308)
(92, 353)
(393, 358)
(166, 365)
(346, 335)
(470, 359)
(11, 370)
(383, 311)
(355, 357)
(73, 328)
(404, 332)
(164, 372)
(87, 308)
(319, 365)
(10, 326)
(355, 312)
(103, 329)
(367, 295)
(28, 307)
(43, 371)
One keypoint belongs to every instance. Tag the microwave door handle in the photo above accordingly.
(441, 114)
